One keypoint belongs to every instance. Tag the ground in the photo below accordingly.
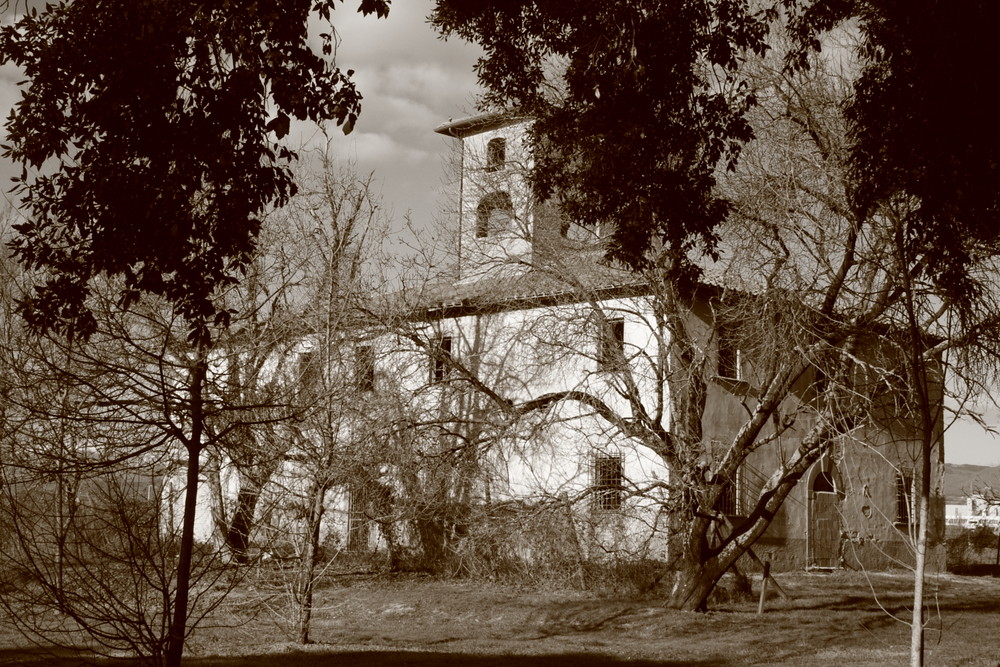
(834, 618)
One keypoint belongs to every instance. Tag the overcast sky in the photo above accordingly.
(412, 82)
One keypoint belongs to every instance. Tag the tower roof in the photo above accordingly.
(465, 127)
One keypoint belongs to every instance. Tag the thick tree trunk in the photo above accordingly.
(693, 584)
(238, 534)
(702, 564)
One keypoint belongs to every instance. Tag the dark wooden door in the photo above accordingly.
(824, 530)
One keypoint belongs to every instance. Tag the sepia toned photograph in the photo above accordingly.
(499, 332)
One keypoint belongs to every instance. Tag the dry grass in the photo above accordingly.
(830, 619)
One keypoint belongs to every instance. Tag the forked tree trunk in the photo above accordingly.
(700, 568)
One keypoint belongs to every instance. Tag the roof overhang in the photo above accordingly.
(466, 127)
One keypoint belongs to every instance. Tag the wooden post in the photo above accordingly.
(763, 587)
(756, 559)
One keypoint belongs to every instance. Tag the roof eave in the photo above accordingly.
(466, 127)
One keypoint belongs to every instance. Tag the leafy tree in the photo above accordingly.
(149, 135)
(924, 143)
(634, 106)
(921, 126)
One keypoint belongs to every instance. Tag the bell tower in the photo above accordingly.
(495, 212)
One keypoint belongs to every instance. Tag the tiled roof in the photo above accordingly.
(512, 286)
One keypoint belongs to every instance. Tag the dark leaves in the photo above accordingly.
(923, 126)
(151, 146)
(630, 120)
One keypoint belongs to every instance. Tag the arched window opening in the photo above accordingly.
(824, 483)
(494, 214)
(496, 154)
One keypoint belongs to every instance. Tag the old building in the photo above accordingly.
(534, 402)
(534, 312)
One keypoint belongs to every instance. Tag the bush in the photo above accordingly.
(972, 550)
(545, 545)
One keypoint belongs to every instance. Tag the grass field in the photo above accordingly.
(839, 618)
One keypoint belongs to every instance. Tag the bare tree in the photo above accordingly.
(803, 337)
(321, 267)
(92, 429)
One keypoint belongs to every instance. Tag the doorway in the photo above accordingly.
(824, 516)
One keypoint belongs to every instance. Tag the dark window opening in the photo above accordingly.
(728, 501)
(364, 368)
(824, 483)
(729, 356)
(494, 213)
(611, 351)
(440, 359)
(310, 375)
(904, 497)
(496, 154)
(609, 481)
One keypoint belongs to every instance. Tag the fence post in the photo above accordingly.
(763, 587)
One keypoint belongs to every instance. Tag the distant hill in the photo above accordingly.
(960, 479)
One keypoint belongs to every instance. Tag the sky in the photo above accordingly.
(412, 82)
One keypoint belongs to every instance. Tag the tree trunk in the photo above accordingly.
(920, 565)
(238, 534)
(693, 584)
(175, 642)
(310, 562)
(178, 626)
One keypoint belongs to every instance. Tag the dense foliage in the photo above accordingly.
(635, 104)
(148, 131)
(921, 122)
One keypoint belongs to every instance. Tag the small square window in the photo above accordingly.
(611, 347)
(609, 482)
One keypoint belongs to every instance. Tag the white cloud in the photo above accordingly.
(411, 82)
(379, 148)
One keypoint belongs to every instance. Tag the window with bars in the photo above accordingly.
(364, 368)
(730, 362)
(358, 521)
(904, 497)
(609, 482)
(728, 502)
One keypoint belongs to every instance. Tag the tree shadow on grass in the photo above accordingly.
(422, 659)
